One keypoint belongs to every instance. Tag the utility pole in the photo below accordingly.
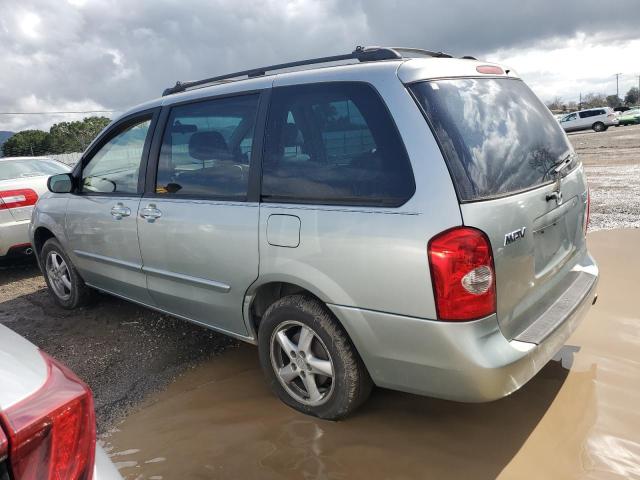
(617, 84)
(580, 102)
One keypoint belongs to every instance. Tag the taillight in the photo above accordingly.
(52, 433)
(463, 274)
(23, 197)
(4, 446)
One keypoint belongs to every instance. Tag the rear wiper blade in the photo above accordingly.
(557, 167)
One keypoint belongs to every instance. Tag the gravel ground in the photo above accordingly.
(125, 352)
(612, 164)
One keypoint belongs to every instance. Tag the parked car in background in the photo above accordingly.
(47, 421)
(22, 181)
(596, 119)
(630, 117)
(357, 222)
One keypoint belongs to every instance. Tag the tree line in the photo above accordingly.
(592, 100)
(63, 137)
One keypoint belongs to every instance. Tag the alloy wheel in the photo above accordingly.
(302, 363)
(59, 276)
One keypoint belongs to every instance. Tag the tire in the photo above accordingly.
(599, 127)
(65, 284)
(328, 349)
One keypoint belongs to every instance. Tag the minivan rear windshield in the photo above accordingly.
(495, 134)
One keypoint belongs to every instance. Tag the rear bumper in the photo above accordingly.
(468, 362)
(12, 234)
(104, 469)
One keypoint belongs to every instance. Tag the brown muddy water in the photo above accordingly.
(578, 418)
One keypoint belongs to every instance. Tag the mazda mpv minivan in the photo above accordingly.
(391, 217)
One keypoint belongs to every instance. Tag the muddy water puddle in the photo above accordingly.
(578, 418)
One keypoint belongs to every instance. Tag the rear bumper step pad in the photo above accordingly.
(559, 311)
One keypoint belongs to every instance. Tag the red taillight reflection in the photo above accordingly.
(4, 445)
(52, 433)
(489, 69)
(23, 197)
(463, 274)
(588, 214)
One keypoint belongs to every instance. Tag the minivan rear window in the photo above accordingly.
(495, 134)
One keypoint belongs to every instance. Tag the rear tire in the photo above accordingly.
(65, 284)
(599, 127)
(319, 372)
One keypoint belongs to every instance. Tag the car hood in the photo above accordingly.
(22, 368)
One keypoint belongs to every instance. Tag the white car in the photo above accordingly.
(47, 421)
(22, 181)
(597, 119)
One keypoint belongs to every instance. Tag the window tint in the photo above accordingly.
(206, 148)
(568, 118)
(496, 136)
(115, 168)
(334, 143)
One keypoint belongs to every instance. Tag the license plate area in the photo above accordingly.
(553, 237)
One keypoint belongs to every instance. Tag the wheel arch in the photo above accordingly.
(40, 236)
(260, 296)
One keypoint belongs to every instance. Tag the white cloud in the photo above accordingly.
(33, 103)
(584, 63)
(117, 53)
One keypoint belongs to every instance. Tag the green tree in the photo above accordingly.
(27, 143)
(592, 100)
(632, 97)
(68, 137)
(613, 101)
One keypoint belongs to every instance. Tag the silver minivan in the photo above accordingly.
(390, 217)
(596, 119)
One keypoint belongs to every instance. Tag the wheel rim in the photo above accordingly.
(302, 363)
(59, 276)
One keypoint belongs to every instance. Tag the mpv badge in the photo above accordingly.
(511, 237)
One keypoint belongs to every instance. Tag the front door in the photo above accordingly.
(101, 217)
(198, 230)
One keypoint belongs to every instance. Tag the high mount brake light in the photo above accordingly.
(489, 70)
(462, 274)
(23, 197)
(52, 433)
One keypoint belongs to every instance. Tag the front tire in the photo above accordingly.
(65, 284)
(309, 360)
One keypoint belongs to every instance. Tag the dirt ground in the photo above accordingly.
(195, 405)
(122, 351)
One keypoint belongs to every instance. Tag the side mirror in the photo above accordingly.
(61, 183)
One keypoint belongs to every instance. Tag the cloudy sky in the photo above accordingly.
(76, 55)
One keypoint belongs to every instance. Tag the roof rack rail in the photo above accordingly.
(362, 54)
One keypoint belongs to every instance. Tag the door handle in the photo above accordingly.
(150, 213)
(119, 210)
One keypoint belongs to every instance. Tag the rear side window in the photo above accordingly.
(496, 136)
(334, 143)
(206, 148)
